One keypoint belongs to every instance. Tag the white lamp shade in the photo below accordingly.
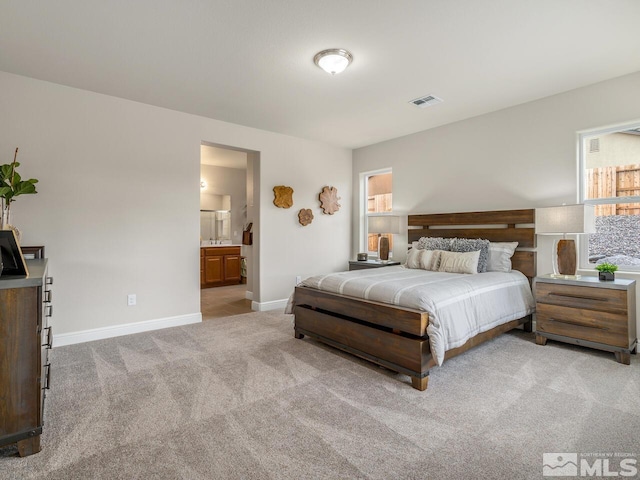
(384, 224)
(565, 219)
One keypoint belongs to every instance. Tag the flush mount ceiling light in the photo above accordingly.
(333, 60)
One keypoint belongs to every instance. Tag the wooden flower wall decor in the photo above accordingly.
(329, 200)
(305, 216)
(283, 196)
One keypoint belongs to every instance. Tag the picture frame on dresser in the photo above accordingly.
(13, 262)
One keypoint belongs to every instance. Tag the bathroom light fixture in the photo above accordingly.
(333, 60)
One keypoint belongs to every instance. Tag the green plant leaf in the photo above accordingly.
(607, 267)
(24, 188)
(11, 183)
(5, 171)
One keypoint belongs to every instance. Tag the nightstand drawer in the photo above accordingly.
(588, 298)
(600, 327)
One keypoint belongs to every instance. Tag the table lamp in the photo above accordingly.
(384, 224)
(563, 220)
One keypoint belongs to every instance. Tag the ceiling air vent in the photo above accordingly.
(426, 101)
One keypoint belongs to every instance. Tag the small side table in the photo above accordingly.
(589, 312)
(361, 265)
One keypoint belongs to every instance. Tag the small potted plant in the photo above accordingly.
(11, 186)
(606, 271)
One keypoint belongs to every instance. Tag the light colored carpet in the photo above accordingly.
(241, 398)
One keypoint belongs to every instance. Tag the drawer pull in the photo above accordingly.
(569, 322)
(49, 343)
(47, 385)
(47, 296)
(581, 297)
(48, 281)
(49, 311)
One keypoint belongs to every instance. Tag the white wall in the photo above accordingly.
(324, 245)
(118, 202)
(521, 157)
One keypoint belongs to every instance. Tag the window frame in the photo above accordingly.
(583, 138)
(363, 243)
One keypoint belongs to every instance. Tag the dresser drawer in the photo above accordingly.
(586, 298)
(593, 326)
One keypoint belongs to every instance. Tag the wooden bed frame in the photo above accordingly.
(395, 337)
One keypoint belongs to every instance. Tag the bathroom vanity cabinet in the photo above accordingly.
(219, 265)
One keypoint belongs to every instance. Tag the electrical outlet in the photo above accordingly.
(298, 279)
(131, 299)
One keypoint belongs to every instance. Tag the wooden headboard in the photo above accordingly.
(495, 226)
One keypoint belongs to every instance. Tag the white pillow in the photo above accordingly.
(413, 258)
(459, 262)
(430, 260)
(500, 254)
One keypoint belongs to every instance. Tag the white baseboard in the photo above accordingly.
(273, 305)
(62, 339)
(248, 295)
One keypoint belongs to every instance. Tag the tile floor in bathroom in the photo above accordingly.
(225, 301)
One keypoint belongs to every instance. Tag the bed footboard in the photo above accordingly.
(396, 351)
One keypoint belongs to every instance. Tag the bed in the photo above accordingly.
(396, 336)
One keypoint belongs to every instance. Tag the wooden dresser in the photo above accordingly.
(588, 312)
(25, 340)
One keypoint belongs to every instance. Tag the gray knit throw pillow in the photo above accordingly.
(434, 243)
(471, 245)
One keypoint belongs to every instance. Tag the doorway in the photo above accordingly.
(225, 212)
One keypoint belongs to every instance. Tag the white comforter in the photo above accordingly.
(460, 306)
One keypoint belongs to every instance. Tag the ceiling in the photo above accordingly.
(250, 62)
(222, 157)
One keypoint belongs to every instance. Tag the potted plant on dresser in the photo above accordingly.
(11, 186)
(606, 271)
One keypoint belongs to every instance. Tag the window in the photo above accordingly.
(377, 199)
(610, 180)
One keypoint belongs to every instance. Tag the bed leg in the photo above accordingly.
(420, 383)
(540, 340)
(298, 335)
(29, 446)
(528, 325)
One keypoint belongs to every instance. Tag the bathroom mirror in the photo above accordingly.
(215, 218)
(213, 202)
(214, 226)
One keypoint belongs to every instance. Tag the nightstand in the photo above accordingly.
(588, 312)
(361, 265)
